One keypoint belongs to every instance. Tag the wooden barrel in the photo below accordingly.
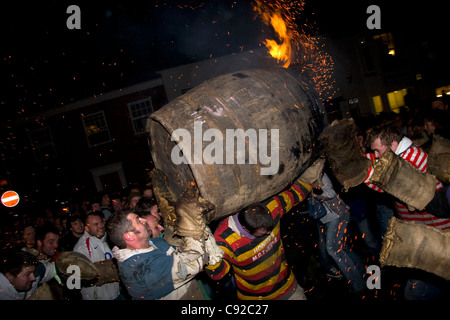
(272, 110)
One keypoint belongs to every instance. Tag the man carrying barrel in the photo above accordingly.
(252, 245)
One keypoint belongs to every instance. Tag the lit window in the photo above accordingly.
(377, 104)
(442, 90)
(396, 99)
(386, 42)
(96, 129)
(139, 112)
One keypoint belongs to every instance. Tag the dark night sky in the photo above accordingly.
(43, 64)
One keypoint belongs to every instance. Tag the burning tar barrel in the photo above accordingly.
(241, 137)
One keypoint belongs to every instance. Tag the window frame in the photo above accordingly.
(37, 147)
(138, 118)
(105, 128)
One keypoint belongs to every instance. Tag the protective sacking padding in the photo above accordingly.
(418, 246)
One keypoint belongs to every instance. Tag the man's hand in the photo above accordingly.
(191, 210)
(215, 253)
(313, 175)
(349, 166)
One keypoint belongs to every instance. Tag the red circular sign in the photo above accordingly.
(10, 199)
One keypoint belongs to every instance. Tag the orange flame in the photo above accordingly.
(298, 45)
(273, 16)
(282, 52)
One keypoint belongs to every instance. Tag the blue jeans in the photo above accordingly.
(333, 242)
(359, 211)
(421, 290)
(384, 214)
(371, 241)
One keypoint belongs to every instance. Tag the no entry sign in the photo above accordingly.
(10, 199)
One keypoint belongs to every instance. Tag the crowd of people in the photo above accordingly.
(316, 243)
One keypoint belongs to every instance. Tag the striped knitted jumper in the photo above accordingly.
(418, 158)
(258, 263)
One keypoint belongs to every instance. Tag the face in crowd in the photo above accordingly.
(49, 244)
(95, 226)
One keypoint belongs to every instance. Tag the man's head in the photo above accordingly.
(436, 122)
(117, 203)
(148, 205)
(94, 224)
(75, 225)
(105, 199)
(18, 267)
(147, 192)
(439, 103)
(47, 240)
(153, 224)
(96, 206)
(133, 199)
(147, 208)
(127, 230)
(383, 137)
(256, 219)
(29, 235)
